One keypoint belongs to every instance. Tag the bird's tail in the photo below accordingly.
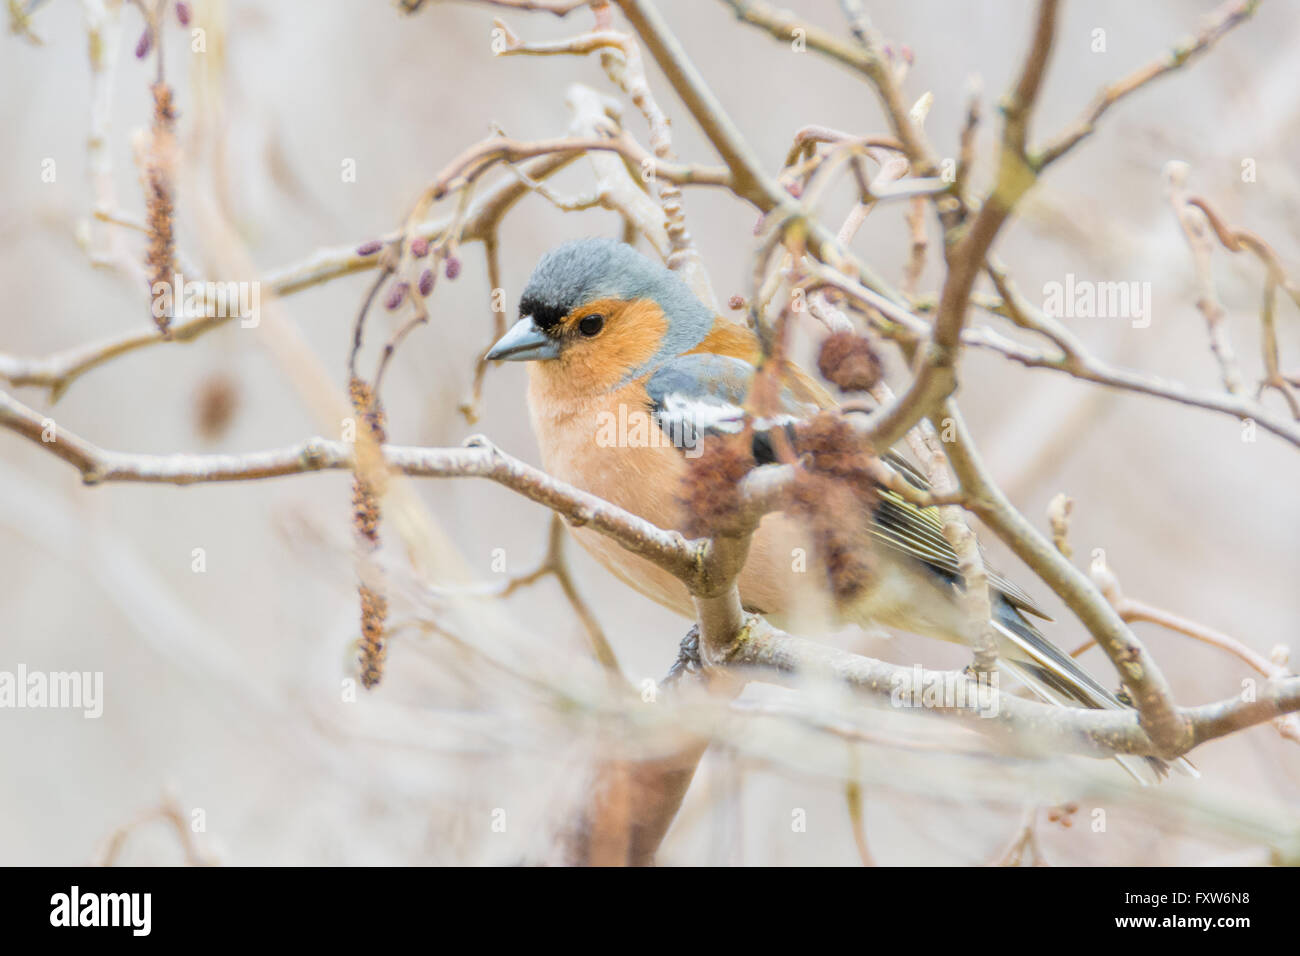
(1058, 679)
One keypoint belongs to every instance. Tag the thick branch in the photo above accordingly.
(481, 460)
(1097, 733)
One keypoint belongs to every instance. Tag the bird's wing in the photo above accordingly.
(701, 394)
(919, 531)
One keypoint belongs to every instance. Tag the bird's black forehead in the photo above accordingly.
(575, 273)
(544, 314)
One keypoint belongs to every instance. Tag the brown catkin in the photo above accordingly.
(370, 413)
(215, 404)
(374, 648)
(837, 527)
(366, 515)
(836, 495)
(831, 447)
(849, 361)
(160, 201)
(709, 486)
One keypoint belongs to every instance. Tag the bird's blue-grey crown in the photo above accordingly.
(584, 270)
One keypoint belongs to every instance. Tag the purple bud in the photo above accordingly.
(396, 297)
(452, 268)
(419, 247)
(369, 248)
(426, 282)
(145, 44)
(183, 13)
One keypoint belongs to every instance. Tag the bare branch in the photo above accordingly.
(1077, 362)
(729, 636)
(1219, 23)
(1159, 716)
(1131, 610)
(1020, 723)
(59, 370)
(865, 57)
(936, 375)
(561, 8)
(1196, 228)
(478, 159)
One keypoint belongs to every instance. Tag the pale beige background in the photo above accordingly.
(224, 685)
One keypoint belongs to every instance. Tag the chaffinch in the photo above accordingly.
(629, 372)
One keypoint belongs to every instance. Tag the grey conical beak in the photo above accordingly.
(525, 342)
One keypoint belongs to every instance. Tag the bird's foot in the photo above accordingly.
(688, 657)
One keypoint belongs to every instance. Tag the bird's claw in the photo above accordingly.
(688, 657)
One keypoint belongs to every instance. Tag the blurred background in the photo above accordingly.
(222, 688)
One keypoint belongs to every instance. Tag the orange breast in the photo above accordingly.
(612, 447)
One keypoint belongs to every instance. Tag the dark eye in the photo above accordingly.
(591, 324)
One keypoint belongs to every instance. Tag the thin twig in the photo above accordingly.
(1218, 24)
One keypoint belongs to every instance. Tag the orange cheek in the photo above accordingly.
(632, 335)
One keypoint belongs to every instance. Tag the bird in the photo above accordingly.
(629, 373)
